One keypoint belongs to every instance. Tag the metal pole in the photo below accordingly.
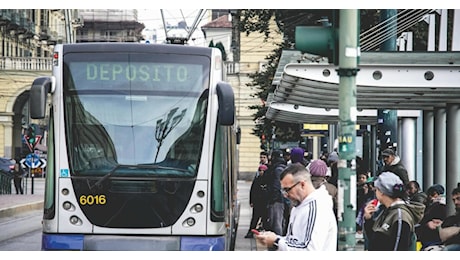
(68, 33)
(387, 130)
(32, 177)
(348, 69)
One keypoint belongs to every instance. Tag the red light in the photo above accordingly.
(56, 55)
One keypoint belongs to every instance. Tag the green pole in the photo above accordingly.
(348, 69)
(387, 124)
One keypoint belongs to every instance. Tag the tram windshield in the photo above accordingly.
(135, 114)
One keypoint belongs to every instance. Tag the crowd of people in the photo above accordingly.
(294, 200)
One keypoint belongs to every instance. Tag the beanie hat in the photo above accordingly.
(277, 154)
(438, 188)
(318, 168)
(389, 184)
(333, 157)
(297, 154)
(263, 167)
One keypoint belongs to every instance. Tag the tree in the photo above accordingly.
(258, 20)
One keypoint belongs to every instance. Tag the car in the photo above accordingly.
(7, 165)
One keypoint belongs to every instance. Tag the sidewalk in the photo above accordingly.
(12, 204)
(245, 244)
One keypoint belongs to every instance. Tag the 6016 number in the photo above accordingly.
(92, 200)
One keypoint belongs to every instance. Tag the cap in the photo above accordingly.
(389, 183)
(297, 154)
(388, 152)
(438, 188)
(263, 167)
(318, 168)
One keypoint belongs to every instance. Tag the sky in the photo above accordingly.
(152, 19)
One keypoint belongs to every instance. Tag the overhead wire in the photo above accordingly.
(378, 34)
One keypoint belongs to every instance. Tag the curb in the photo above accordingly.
(11, 211)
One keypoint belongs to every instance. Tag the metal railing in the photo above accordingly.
(46, 64)
(5, 183)
(243, 67)
(26, 63)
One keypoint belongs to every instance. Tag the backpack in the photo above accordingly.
(413, 244)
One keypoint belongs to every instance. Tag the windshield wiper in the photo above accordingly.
(105, 177)
(144, 166)
(147, 166)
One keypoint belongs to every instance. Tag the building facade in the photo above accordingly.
(29, 36)
(246, 56)
(109, 25)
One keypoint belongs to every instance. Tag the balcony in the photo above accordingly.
(5, 17)
(46, 64)
(243, 67)
(44, 33)
(26, 64)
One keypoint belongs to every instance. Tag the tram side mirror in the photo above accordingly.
(226, 98)
(37, 96)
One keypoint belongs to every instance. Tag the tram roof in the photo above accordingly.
(308, 87)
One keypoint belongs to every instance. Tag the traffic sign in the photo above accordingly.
(36, 140)
(33, 161)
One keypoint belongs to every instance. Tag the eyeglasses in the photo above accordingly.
(285, 191)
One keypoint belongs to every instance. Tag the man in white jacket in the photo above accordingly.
(312, 224)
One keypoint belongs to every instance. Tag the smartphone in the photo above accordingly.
(255, 231)
(375, 202)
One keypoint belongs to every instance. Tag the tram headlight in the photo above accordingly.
(189, 222)
(75, 220)
(68, 206)
(197, 208)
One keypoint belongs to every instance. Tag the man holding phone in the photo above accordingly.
(312, 224)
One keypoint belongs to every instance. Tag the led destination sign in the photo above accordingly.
(139, 72)
(135, 75)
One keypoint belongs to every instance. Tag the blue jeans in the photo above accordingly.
(275, 217)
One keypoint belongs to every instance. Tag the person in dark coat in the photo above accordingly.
(449, 231)
(258, 199)
(276, 203)
(434, 215)
(415, 193)
(17, 177)
(392, 163)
